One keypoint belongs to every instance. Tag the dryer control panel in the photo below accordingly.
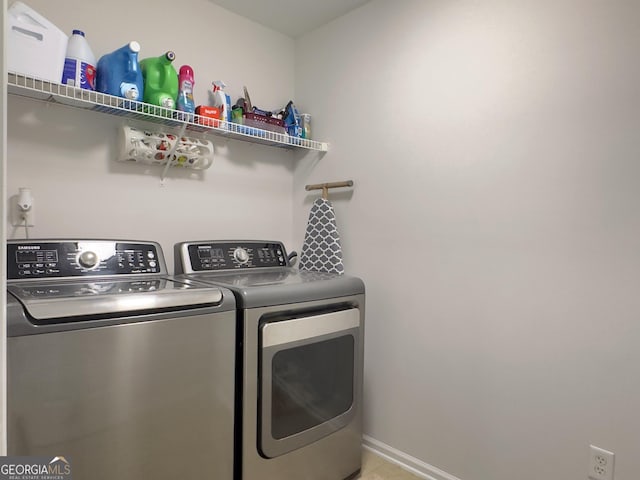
(230, 255)
(44, 259)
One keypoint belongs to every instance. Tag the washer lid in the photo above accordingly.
(53, 302)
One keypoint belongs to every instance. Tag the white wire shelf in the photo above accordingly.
(27, 86)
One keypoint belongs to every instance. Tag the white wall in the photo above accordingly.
(66, 156)
(495, 220)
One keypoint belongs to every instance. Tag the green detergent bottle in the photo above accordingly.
(160, 80)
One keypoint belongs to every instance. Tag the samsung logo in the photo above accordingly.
(28, 247)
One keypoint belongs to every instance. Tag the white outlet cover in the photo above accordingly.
(601, 463)
(17, 220)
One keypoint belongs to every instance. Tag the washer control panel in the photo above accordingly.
(230, 255)
(44, 259)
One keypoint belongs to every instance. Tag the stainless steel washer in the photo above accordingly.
(300, 359)
(124, 371)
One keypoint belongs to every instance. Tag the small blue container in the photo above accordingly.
(119, 73)
(292, 120)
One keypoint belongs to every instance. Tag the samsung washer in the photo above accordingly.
(300, 357)
(125, 372)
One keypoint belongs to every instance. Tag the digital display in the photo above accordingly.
(33, 256)
(266, 254)
(26, 257)
(210, 253)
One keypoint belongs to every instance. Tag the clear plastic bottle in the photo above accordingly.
(79, 63)
(185, 94)
(306, 125)
(222, 100)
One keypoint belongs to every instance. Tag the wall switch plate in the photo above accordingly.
(601, 463)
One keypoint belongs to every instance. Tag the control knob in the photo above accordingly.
(88, 259)
(240, 255)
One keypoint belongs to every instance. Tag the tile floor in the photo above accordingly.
(377, 468)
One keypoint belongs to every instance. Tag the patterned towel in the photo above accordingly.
(321, 251)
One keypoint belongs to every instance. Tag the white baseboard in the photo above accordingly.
(407, 462)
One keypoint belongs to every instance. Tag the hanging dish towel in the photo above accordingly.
(321, 251)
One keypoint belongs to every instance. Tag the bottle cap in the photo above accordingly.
(78, 32)
(134, 46)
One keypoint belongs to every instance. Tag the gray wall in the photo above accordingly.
(496, 222)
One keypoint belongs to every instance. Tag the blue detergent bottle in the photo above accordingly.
(119, 73)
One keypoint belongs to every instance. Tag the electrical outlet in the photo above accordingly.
(23, 212)
(20, 216)
(601, 463)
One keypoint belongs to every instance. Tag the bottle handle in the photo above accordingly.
(133, 64)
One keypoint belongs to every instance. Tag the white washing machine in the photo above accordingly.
(300, 359)
(125, 372)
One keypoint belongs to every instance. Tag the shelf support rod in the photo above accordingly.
(326, 186)
(171, 151)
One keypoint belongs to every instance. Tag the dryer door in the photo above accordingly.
(307, 379)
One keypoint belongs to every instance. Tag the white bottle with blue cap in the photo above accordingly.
(79, 63)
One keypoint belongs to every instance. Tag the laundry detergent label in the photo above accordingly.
(79, 74)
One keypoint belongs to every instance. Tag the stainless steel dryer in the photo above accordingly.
(124, 371)
(300, 356)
